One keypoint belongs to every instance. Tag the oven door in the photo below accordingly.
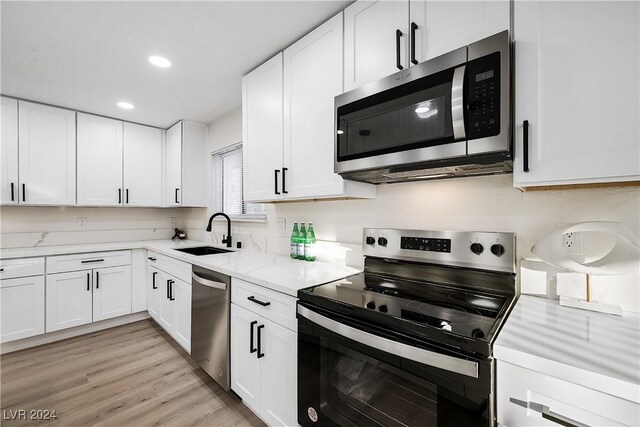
(355, 374)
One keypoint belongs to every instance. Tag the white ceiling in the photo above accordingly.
(90, 55)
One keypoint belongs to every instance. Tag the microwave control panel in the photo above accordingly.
(483, 97)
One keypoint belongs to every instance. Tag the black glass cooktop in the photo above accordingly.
(468, 313)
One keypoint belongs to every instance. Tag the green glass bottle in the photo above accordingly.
(310, 244)
(301, 239)
(295, 237)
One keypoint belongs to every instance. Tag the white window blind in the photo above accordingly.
(229, 196)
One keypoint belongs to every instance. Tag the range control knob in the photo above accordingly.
(382, 241)
(477, 248)
(371, 305)
(370, 240)
(497, 249)
(383, 308)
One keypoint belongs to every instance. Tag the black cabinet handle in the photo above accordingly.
(414, 27)
(119, 195)
(251, 348)
(151, 258)
(525, 146)
(1, 269)
(24, 192)
(88, 281)
(276, 172)
(398, 35)
(171, 298)
(97, 280)
(88, 261)
(284, 178)
(260, 353)
(126, 192)
(12, 193)
(153, 278)
(253, 299)
(177, 195)
(168, 289)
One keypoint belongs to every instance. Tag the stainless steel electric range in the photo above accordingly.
(408, 342)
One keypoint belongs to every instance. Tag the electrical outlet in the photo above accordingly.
(282, 225)
(173, 221)
(572, 242)
(82, 222)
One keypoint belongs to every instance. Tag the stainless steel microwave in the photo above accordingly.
(446, 117)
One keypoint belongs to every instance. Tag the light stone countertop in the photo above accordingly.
(595, 350)
(272, 271)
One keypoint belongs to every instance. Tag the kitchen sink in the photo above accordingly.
(203, 250)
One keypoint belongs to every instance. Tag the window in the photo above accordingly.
(229, 196)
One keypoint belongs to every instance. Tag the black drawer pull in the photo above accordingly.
(87, 261)
(257, 301)
(260, 353)
(151, 258)
(251, 348)
(153, 278)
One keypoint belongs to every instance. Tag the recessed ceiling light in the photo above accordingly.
(159, 61)
(125, 105)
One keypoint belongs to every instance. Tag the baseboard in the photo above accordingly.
(71, 332)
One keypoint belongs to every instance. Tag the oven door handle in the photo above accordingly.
(426, 357)
(457, 103)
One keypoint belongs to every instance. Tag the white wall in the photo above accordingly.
(481, 203)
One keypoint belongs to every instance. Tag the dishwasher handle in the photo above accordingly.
(209, 283)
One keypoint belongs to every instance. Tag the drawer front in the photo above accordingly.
(89, 260)
(174, 267)
(524, 396)
(21, 267)
(273, 305)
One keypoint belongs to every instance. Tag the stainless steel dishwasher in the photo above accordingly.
(210, 296)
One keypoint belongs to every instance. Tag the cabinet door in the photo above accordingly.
(370, 40)
(309, 111)
(69, 300)
(22, 305)
(9, 152)
(154, 293)
(99, 161)
(194, 165)
(262, 119)
(182, 330)
(173, 166)
(577, 67)
(245, 365)
(167, 318)
(112, 292)
(142, 165)
(278, 372)
(47, 155)
(443, 26)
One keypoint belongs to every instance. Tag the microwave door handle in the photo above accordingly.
(426, 357)
(457, 103)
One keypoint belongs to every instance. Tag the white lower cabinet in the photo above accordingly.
(112, 292)
(154, 294)
(22, 308)
(264, 366)
(530, 398)
(69, 300)
(182, 303)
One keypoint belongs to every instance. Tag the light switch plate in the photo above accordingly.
(82, 222)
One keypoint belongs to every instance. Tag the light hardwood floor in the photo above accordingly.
(131, 375)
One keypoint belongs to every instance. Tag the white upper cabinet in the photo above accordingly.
(442, 26)
(142, 165)
(376, 41)
(9, 152)
(185, 165)
(577, 90)
(47, 155)
(99, 161)
(309, 111)
(262, 123)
